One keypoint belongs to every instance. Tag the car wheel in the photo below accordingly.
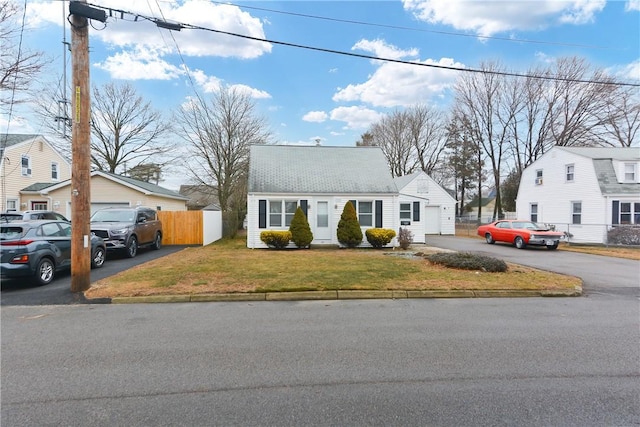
(98, 258)
(520, 244)
(552, 247)
(45, 271)
(157, 243)
(132, 247)
(489, 238)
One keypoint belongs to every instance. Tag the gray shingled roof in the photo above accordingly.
(7, 140)
(609, 182)
(614, 153)
(318, 170)
(147, 186)
(38, 186)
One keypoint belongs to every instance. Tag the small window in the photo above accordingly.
(54, 171)
(576, 212)
(39, 206)
(533, 212)
(569, 173)
(12, 204)
(275, 213)
(26, 165)
(405, 211)
(625, 213)
(289, 211)
(629, 172)
(365, 214)
(539, 177)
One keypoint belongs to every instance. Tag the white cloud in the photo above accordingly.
(382, 49)
(315, 116)
(632, 5)
(208, 84)
(626, 72)
(143, 34)
(396, 84)
(488, 18)
(139, 65)
(251, 92)
(355, 117)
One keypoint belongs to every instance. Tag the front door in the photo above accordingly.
(323, 221)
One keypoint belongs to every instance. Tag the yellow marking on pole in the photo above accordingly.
(77, 104)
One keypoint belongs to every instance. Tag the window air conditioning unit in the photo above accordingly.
(538, 181)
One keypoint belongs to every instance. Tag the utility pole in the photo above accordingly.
(80, 155)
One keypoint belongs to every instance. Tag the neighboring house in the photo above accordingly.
(29, 163)
(424, 206)
(321, 180)
(583, 191)
(200, 196)
(111, 190)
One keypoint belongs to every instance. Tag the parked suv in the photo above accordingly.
(126, 229)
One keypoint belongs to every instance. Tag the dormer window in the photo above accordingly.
(629, 172)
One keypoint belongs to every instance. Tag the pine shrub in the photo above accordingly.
(301, 234)
(278, 239)
(468, 261)
(349, 232)
(379, 237)
(405, 238)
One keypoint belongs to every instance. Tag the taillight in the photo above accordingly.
(20, 259)
(16, 242)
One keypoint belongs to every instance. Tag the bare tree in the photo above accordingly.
(125, 129)
(621, 124)
(220, 133)
(18, 67)
(410, 139)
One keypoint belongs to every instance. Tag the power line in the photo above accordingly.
(177, 26)
(422, 30)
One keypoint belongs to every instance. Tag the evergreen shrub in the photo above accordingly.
(278, 239)
(379, 237)
(301, 234)
(468, 261)
(349, 232)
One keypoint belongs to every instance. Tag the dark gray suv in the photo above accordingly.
(127, 229)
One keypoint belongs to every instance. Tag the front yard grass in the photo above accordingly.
(228, 266)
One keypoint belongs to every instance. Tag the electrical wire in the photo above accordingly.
(179, 26)
(422, 30)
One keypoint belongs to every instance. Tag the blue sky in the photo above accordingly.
(307, 95)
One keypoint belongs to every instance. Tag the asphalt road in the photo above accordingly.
(439, 362)
(20, 292)
(600, 274)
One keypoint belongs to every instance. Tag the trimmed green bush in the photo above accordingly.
(405, 238)
(278, 239)
(349, 232)
(468, 261)
(379, 237)
(301, 234)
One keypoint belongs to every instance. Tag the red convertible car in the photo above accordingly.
(520, 233)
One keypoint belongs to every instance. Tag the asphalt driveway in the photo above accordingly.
(600, 274)
(17, 292)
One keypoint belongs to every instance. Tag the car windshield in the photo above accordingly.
(114, 215)
(528, 225)
(8, 233)
(10, 217)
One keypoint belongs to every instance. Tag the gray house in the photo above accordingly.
(321, 180)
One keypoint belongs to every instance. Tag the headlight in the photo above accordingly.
(120, 231)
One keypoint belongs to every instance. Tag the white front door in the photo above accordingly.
(432, 220)
(323, 221)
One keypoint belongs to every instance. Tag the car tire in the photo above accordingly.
(489, 238)
(45, 272)
(132, 247)
(98, 257)
(157, 242)
(552, 247)
(519, 242)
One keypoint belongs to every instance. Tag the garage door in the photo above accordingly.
(96, 206)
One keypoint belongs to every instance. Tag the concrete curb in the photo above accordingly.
(344, 295)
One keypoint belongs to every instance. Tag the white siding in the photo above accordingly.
(555, 195)
(336, 205)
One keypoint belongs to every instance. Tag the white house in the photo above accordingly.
(28, 163)
(583, 191)
(424, 206)
(321, 180)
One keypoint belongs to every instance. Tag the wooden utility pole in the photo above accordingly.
(81, 152)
